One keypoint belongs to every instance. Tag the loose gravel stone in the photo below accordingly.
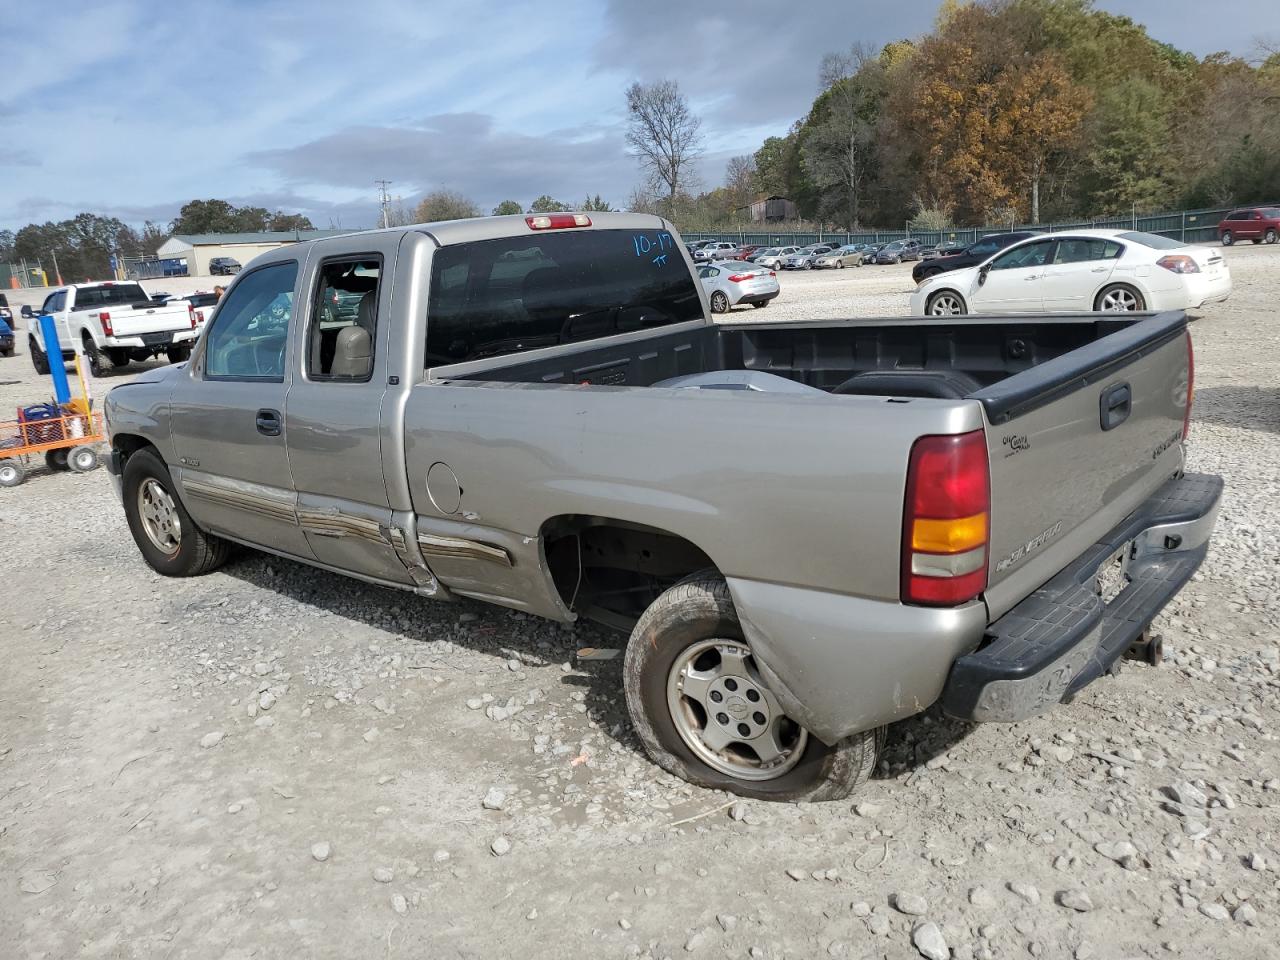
(910, 904)
(212, 739)
(500, 847)
(383, 874)
(930, 942)
(1077, 900)
(320, 851)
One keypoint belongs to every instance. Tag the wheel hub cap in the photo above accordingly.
(159, 514)
(727, 716)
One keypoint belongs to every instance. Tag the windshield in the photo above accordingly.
(772, 251)
(491, 298)
(1152, 240)
(1271, 213)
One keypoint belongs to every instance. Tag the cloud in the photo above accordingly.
(748, 63)
(11, 157)
(461, 151)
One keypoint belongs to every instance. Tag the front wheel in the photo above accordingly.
(1227, 238)
(38, 359)
(57, 459)
(1271, 236)
(11, 473)
(169, 539)
(83, 459)
(719, 302)
(1119, 299)
(705, 714)
(945, 303)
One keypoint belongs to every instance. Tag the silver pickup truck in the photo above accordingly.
(809, 529)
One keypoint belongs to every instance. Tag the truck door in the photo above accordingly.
(335, 408)
(55, 305)
(227, 413)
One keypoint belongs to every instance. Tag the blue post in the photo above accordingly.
(53, 350)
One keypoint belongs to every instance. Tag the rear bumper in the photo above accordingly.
(152, 341)
(763, 297)
(1064, 636)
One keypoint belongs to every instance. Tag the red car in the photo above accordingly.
(749, 250)
(1250, 223)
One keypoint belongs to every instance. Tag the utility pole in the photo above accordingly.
(385, 201)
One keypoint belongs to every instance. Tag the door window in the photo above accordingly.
(344, 319)
(1027, 255)
(984, 248)
(250, 330)
(1080, 249)
(1236, 215)
(53, 303)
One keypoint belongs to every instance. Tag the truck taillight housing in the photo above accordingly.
(946, 520)
(557, 221)
(191, 315)
(1191, 387)
(104, 318)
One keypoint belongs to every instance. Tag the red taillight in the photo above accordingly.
(739, 277)
(1179, 263)
(772, 273)
(191, 315)
(946, 520)
(199, 316)
(557, 221)
(1191, 387)
(105, 319)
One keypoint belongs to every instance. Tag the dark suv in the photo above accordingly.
(224, 265)
(971, 256)
(1250, 223)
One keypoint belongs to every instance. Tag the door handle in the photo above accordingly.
(1115, 405)
(1098, 270)
(268, 423)
(1032, 277)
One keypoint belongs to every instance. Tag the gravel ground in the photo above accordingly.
(275, 762)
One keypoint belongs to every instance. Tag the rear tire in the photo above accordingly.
(719, 302)
(1119, 298)
(945, 303)
(56, 460)
(1227, 238)
(12, 473)
(694, 623)
(83, 459)
(168, 538)
(178, 354)
(118, 356)
(38, 359)
(97, 362)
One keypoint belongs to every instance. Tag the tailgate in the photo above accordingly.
(1076, 444)
(129, 321)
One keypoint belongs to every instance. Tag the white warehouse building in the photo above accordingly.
(199, 248)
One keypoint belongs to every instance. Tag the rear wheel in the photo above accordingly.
(1119, 299)
(97, 362)
(83, 459)
(11, 473)
(169, 539)
(118, 356)
(179, 354)
(1227, 238)
(704, 712)
(38, 359)
(1271, 236)
(945, 303)
(719, 302)
(57, 459)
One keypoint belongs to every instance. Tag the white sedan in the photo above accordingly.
(1078, 272)
(731, 282)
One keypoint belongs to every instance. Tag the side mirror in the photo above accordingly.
(27, 312)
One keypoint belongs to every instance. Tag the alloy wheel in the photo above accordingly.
(159, 513)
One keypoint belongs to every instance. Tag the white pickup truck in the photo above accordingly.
(114, 323)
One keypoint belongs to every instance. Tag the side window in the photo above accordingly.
(713, 272)
(344, 319)
(1028, 255)
(1080, 249)
(249, 333)
(984, 248)
(1236, 215)
(51, 303)
(704, 273)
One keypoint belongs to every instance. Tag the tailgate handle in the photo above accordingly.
(1115, 405)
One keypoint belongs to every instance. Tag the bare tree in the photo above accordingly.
(663, 134)
(740, 181)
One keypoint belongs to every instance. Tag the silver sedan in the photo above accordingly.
(731, 282)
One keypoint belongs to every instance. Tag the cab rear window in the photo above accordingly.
(106, 296)
(492, 298)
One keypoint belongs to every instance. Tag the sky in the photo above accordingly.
(129, 108)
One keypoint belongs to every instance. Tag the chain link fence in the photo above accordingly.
(1188, 226)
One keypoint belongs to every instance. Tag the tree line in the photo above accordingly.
(1009, 110)
(83, 245)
